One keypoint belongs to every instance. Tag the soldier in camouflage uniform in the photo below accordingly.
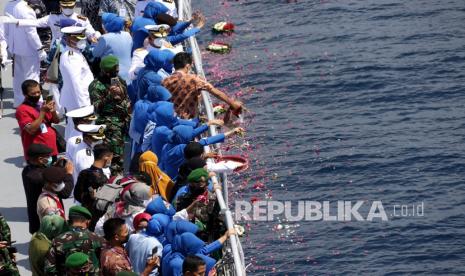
(78, 239)
(108, 94)
(7, 264)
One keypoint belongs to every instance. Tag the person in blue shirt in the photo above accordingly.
(139, 34)
(160, 206)
(148, 76)
(156, 227)
(173, 152)
(189, 244)
(115, 42)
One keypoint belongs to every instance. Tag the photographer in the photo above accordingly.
(35, 119)
(39, 158)
(7, 259)
(108, 94)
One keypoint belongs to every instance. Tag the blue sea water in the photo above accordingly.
(351, 100)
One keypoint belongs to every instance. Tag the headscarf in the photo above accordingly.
(159, 206)
(51, 226)
(181, 135)
(157, 93)
(187, 244)
(113, 23)
(156, 227)
(158, 59)
(133, 199)
(160, 138)
(209, 262)
(161, 182)
(165, 114)
(153, 9)
(140, 115)
(179, 227)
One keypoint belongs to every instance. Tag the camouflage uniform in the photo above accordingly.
(115, 115)
(76, 240)
(7, 265)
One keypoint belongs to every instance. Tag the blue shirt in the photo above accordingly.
(139, 248)
(119, 45)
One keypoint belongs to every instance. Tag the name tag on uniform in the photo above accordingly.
(43, 128)
(122, 12)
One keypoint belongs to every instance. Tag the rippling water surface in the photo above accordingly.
(350, 100)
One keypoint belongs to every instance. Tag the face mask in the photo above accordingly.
(33, 99)
(49, 161)
(60, 187)
(81, 44)
(68, 12)
(158, 42)
(93, 144)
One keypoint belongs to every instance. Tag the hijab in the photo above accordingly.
(160, 206)
(161, 182)
(133, 199)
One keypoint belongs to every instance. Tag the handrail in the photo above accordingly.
(185, 12)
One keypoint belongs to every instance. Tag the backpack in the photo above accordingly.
(112, 191)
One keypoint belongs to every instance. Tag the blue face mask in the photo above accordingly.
(49, 161)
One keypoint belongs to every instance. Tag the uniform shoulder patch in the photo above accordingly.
(82, 17)
(78, 140)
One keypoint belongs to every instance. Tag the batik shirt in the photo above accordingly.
(114, 260)
(185, 90)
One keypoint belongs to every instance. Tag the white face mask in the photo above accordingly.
(81, 44)
(158, 42)
(60, 187)
(68, 12)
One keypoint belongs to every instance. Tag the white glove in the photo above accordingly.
(8, 19)
(42, 55)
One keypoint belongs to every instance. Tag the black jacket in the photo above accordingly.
(33, 184)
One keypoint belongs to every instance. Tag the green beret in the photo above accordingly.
(80, 211)
(76, 260)
(196, 174)
(126, 273)
(108, 63)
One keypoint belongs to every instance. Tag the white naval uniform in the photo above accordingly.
(23, 45)
(3, 44)
(52, 21)
(72, 143)
(76, 80)
(83, 159)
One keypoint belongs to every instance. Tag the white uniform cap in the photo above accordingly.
(81, 112)
(161, 30)
(74, 30)
(97, 131)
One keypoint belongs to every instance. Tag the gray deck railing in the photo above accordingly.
(228, 265)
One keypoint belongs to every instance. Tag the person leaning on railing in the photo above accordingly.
(186, 87)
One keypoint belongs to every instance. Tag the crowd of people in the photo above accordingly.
(132, 152)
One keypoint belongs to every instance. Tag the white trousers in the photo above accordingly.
(26, 68)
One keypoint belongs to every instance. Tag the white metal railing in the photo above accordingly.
(234, 245)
